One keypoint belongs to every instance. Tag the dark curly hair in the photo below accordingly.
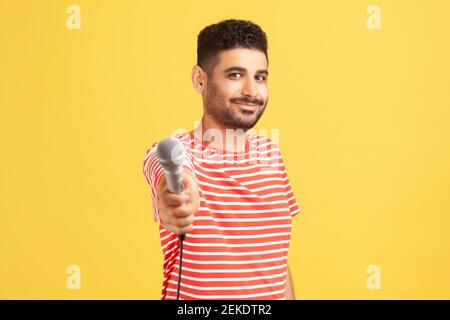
(228, 34)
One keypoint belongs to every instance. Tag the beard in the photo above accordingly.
(227, 116)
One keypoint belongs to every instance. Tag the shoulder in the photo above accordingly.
(150, 151)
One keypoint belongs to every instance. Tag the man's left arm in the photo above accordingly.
(289, 287)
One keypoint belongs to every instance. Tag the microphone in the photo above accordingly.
(170, 154)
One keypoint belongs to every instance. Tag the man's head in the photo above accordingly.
(231, 73)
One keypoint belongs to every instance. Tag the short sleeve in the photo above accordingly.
(154, 172)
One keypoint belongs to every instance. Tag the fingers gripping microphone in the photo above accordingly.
(170, 154)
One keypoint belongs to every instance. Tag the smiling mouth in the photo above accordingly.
(246, 106)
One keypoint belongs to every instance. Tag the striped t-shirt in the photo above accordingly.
(238, 246)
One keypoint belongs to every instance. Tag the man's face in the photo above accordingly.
(237, 93)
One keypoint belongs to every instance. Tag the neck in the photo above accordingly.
(215, 135)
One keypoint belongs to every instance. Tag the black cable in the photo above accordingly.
(181, 237)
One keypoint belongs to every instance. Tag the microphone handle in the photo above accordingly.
(174, 180)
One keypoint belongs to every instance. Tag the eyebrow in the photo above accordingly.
(241, 69)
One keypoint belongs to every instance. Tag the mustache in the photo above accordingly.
(246, 100)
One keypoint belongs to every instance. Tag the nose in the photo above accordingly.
(249, 89)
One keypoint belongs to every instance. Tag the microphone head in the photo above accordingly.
(170, 154)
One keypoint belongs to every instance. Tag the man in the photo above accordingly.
(237, 204)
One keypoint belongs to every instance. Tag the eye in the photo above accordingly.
(232, 75)
(262, 78)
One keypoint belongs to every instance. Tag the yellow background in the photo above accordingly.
(364, 131)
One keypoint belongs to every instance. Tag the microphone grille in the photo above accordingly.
(170, 153)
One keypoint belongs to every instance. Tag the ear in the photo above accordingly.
(199, 78)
